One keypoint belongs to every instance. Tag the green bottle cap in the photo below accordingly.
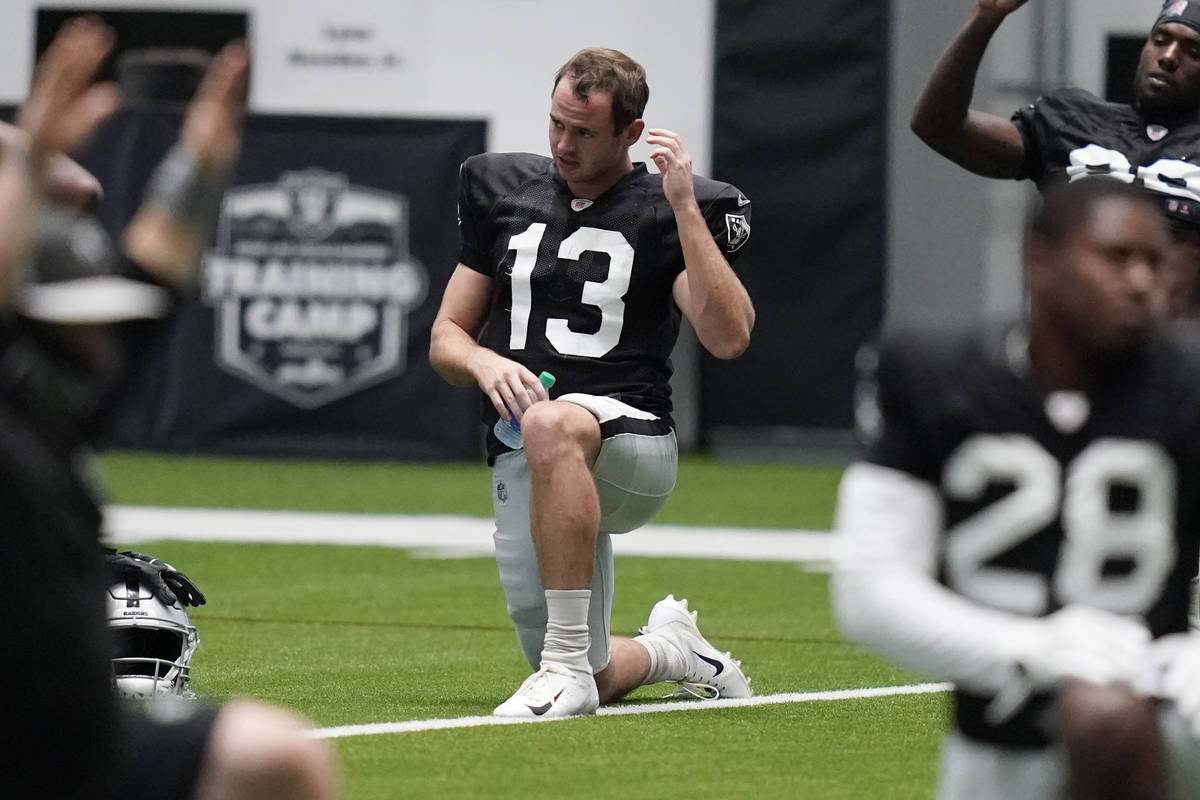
(547, 379)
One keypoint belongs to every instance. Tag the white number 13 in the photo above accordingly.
(606, 295)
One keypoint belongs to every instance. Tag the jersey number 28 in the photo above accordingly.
(1094, 536)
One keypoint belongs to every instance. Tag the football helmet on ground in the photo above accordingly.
(154, 639)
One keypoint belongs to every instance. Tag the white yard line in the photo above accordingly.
(446, 534)
(412, 726)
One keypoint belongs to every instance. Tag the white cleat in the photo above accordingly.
(708, 673)
(554, 691)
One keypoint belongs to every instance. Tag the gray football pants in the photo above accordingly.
(634, 473)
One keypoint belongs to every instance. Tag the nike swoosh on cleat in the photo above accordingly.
(540, 710)
(716, 665)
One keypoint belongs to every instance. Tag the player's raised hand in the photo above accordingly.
(211, 128)
(675, 164)
(1000, 8)
(64, 106)
(168, 235)
(506, 383)
(62, 110)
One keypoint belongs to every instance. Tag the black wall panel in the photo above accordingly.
(800, 127)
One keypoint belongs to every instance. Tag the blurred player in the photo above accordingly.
(1025, 523)
(61, 733)
(1071, 133)
(581, 265)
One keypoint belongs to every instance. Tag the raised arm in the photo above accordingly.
(62, 110)
(708, 291)
(171, 229)
(984, 143)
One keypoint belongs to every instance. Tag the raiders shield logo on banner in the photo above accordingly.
(311, 282)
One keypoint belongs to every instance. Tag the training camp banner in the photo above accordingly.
(309, 335)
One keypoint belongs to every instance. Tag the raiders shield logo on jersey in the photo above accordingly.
(737, 231)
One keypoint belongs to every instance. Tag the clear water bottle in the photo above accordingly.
(509, 431)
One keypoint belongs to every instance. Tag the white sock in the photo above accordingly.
(567, 638)
(666, 663)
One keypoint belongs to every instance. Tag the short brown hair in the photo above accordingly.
(598, 68)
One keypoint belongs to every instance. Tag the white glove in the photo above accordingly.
(1176, 659)
(1081, 643)
(1075, 643)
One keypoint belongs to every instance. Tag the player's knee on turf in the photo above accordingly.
(258, 751)
(528, 614)
(524, 599)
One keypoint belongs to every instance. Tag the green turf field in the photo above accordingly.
(356, 635)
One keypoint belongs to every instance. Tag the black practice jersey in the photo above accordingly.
(582, 289)
(56, 743)
(1049, 499)
(1058, 127)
